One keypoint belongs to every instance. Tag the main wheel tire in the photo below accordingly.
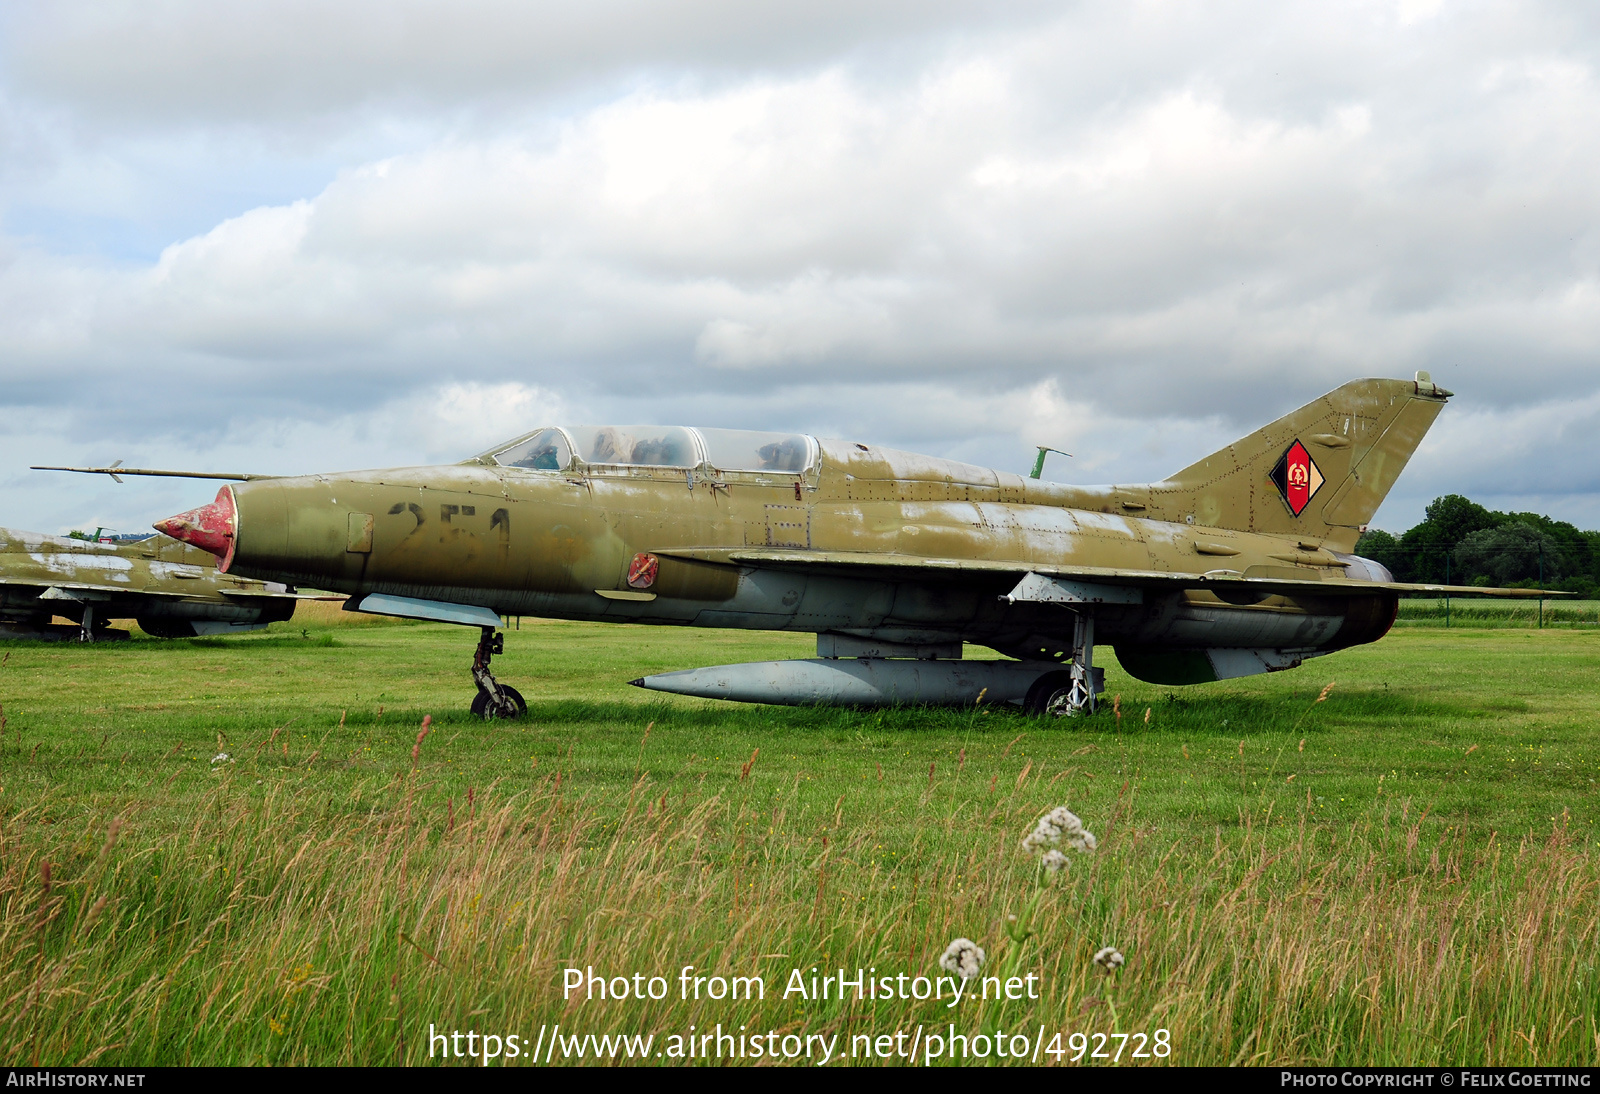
(481, 707)
(1044, 689)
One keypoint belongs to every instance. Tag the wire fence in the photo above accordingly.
(1482, 612)
(1546, 564)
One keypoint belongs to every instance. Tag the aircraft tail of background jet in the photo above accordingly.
(1319, 472)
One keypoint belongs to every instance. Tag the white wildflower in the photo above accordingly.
(1065, 819)
(1055, 826)
(1054, 861)
(963, 957)
(222, 758)
(1083, 841)
(1109, 959)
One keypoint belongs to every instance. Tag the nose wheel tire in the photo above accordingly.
(484, 707)
(495, 700)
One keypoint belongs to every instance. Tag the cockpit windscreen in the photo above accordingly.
(745, 450)
(674, 446)
(635, 445)
(546, 450)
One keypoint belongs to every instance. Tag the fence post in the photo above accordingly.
(1447, 589)
(1541, 585)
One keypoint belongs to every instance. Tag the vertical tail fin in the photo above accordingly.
(1320, 472)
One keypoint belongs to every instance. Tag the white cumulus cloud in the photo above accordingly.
(395, 233)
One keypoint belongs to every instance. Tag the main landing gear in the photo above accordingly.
(1075, 689)
(494, 699)
(95, 629)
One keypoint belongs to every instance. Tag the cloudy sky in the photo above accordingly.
(298, 235)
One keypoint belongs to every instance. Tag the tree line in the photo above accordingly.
(1462, 543)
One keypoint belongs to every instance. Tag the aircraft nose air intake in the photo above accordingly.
(210, 527)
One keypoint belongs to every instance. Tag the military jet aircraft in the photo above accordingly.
(1241, 563)
(171, 589)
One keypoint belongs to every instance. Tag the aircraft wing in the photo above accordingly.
(861, 564)
(89, 590)
(282, 596)
(81, 590)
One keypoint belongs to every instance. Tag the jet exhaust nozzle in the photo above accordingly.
(210, 527)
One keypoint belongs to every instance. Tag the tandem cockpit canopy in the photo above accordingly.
(559, 448)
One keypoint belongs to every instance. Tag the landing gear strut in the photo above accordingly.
(87, 633)
(1073, 691)
(494, 699)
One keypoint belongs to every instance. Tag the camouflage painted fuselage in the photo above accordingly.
(867, 542)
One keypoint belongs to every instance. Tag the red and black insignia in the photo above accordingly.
(642, 571)
(1297, 477)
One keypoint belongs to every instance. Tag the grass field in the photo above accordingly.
(1406, 872)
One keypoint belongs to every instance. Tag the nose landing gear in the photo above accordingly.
(494, 699)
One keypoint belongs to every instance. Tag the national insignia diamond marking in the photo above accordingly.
(1297, 477)
(642, 571)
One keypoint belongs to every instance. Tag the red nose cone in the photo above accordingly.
(209, 527)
